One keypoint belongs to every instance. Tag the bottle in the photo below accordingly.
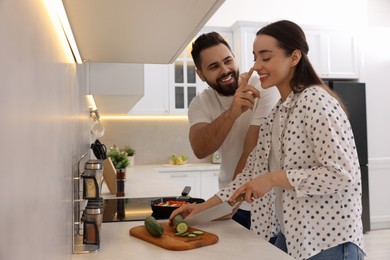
(120, 182)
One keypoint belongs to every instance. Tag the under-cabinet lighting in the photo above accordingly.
(67, 29)
(56, 23)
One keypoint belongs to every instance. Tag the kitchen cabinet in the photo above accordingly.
(133, 31)
(203, 182)
(156, 91)
(116, 87)
(244, 34)
(333, 54)
(186, 178)
(209, 184)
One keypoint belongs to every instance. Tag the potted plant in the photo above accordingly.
(130, 151)
(120, 161)
(118, 158)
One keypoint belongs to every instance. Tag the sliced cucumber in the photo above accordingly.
(179, 224)
(181, 234)
(181, 227)
(197, 232)
(191, 235)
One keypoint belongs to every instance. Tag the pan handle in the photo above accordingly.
(186, 191)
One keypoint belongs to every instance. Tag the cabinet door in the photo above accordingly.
(243, 46)
(186, 178)
(209, 184)
(155, 99)
(316, 56)
(334, 55)
(342, 55)
(116, 87)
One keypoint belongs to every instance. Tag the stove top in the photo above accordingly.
(127, 209)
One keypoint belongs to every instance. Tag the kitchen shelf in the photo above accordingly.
(77, 200)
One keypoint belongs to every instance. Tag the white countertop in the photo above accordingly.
(235, 242)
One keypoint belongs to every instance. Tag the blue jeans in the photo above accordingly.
(243, 217)
(346, 251)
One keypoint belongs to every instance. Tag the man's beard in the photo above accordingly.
(226, 90)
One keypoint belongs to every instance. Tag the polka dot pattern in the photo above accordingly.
(319, 156)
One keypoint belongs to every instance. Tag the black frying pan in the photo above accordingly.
(163, 212)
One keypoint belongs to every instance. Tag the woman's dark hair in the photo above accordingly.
(205, 41)
(291, 37)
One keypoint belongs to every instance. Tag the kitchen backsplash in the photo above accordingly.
(154, 140)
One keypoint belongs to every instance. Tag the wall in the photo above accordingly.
(376, 41)
(42, 117)
(154, 140)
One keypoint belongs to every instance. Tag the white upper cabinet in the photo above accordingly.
(116, 87)
(333, 54)
(244, 36)
(156, 89)
(136, 31)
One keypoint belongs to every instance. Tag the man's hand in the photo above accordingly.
(245, 95)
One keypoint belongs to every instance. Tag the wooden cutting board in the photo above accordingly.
(171, 242)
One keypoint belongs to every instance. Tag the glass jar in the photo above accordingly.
(93, 177)
(93, 218)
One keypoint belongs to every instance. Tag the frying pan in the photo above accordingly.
(163, 212)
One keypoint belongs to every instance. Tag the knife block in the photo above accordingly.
(109, 175)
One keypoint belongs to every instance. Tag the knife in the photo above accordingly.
(214, 212)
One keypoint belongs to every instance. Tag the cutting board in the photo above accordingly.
(109, 175)
(171, 242)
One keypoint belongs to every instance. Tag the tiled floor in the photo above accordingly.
(377, 244)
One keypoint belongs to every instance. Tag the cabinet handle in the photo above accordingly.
(179, 175)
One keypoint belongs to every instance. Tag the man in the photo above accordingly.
(226, 115)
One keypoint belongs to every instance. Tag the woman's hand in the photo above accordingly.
(255, 188)
(262, 184)
(188, 210)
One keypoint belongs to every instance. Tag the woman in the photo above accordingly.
(305, 154)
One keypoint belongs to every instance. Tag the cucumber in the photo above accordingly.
(179, 224)
(197, 232)
(153, 227)
(181, 234)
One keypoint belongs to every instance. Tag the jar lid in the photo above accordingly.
(93, 165)
(93, 211)
(95, 203)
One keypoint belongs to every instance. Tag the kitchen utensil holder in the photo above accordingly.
(79, 203)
